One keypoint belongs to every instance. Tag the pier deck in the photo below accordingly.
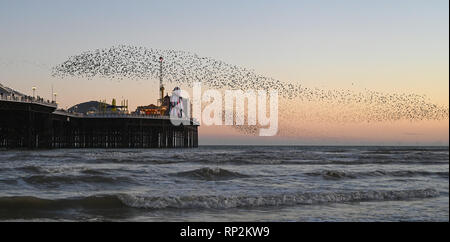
(25, 124)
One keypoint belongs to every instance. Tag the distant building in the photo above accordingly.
(95, 107)
(174, 104)
(153, 109)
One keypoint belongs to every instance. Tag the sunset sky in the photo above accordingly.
(399, 46)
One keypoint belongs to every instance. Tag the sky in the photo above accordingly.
(388, 46)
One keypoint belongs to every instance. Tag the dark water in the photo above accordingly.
(227, 184)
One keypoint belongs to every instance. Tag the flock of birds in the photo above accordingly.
(184, 68)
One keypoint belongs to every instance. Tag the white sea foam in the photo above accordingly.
(223, 202)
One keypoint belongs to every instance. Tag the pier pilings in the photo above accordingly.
(30, 125)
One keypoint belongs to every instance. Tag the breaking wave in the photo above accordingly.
(210, 174)
(335, 174)
(223, 202)
(214, 202)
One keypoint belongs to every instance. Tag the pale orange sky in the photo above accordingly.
(388, 46)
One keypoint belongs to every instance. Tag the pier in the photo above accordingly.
(33, 124)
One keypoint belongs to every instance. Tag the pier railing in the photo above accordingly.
(26, 99)
(119, 115)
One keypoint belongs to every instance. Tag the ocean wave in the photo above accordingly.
(280, 159)
(58, 169)
(223, 202)
(139, 160)
(377, 161)
(277, 161)
(210, 174)
(94, 172)
(396, 150)
(8, 181)
(47, 169)
(39, 156)
(283, 159)
(74, 179)
(30, 202)
(207, 202)
(332, 162)
(32, 169)
(336, 174)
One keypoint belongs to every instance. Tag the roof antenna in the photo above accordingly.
(161, 86)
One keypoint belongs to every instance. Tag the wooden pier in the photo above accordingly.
(32, 125)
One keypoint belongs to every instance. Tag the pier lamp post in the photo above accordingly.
(34, 90)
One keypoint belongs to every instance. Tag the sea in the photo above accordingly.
(226, 183)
